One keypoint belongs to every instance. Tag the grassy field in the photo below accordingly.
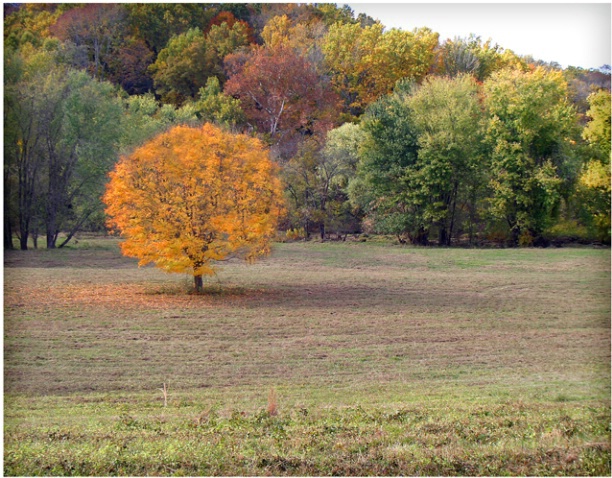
(384, 360)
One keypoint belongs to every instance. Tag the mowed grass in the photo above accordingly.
(385, 360)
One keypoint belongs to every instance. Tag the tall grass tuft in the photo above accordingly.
(165, 392)
(272, 403)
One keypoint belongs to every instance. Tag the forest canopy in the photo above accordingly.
(373, 130)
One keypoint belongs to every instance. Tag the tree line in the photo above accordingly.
(373, 129)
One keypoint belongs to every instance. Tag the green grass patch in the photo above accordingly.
(193, 437)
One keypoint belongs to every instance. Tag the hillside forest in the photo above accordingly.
(374, 130)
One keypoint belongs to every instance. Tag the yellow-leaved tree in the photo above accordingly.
(194, 196)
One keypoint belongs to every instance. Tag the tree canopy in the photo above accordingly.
(192, 197)
(281, 93)
(529, 130)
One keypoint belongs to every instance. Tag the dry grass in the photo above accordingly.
(351, 316)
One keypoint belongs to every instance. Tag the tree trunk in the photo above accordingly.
(53, 210)
(421, 237)
(8, 234)
(197, 282)
(515, 235)
(26, 199)
(8, 230)
(453, 211)
(515, 230)
(472, 214)
(76, 228)
(322, 231)
(443, 236)
(23, 241)
(51, 238)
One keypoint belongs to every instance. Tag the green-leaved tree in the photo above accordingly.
(61, 136)
(530, 123)
(595, 177)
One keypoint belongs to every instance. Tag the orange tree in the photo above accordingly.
(195, 196)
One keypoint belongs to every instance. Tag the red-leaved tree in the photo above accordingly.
(281, 94)
(231, 20)
(97, 27)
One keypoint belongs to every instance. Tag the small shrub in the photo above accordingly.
(497, 236)
(525, 239)
(567, 231)
(296, 234)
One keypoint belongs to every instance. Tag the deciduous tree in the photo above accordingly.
(30, 22)
(63, 130)
(230, 19)
(304, 38)
(529, 132)
(184, 66)
(281, 93)
(365, 63)
(277, 32)
(316, 179)
(22, 163)
(214, 106)
(99, 27)
(156, 23)
(384, 186)
(450, 165)
(144, 118)
(596, 174)
(129, 66)
(471, 55)
(193, 197)
(421, 158)
(181, 68)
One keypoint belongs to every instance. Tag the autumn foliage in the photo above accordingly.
(373, 129)
(195, 196)
(281, 92)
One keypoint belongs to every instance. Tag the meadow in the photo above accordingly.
(322, 359)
